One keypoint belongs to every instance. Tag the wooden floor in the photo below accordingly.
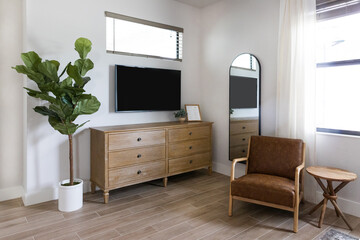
(193, 206)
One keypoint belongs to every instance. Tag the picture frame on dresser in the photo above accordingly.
(193, 112)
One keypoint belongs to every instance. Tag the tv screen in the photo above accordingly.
(147, 89)
(243, 92)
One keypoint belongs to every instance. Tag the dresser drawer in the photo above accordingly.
(243, 127)
(137, 173)
(135, 139)
(240, 139)
(188, 163)
(187, 148)
(136, 156)
(188, 133)
(238, 151)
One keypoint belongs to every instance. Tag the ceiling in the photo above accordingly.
(199, 3)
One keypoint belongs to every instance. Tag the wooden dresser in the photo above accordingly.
(129, 154)
(240, 132)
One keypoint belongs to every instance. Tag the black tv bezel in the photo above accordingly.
(130, 111)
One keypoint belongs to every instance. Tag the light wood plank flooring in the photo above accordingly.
(193, 206)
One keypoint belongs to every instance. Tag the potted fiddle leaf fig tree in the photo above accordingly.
(64, 100)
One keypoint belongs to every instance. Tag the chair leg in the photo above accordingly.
(296, 218)
(230, 205)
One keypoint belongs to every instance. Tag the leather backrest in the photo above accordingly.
(275, 156)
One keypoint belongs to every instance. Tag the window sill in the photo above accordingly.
(337, 132)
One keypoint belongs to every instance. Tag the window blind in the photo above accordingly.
(328, 9)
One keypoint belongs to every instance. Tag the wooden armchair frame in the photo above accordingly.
(299, 188)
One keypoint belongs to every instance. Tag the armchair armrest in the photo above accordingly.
(297, 177)
(236, 160)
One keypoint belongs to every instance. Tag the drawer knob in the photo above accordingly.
(139, 139)
(138, 172)
(190, 147)
(190, 161)
(190, 133)
(243, 151)
(243, 127)
(139, 156)
(244, 139)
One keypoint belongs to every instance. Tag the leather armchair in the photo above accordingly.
(274, 174)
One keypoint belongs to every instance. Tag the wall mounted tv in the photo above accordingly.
(147, 89)
(243, 92)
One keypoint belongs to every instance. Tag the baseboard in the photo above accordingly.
(11, 193)
(44, 195)
(226, 168)
(346, 206)
(48, 194)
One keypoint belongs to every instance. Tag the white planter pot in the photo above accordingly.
(70, 197)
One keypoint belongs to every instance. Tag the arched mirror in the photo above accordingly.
(244, 103)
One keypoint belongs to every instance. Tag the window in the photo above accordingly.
(245, 61)
(338, 67)
(137, 37)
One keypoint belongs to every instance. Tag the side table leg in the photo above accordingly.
(341, 214)
(323, 212)
(210, 170)
(106, 196)
(332, 192)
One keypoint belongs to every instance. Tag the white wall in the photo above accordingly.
(229, 28)
(11, 100)
(51, 29)
(343, 152)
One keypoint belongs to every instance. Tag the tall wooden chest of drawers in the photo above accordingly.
(240, 132)
(129, 154)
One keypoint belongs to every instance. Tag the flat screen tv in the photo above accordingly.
(147, 89)
(243, 92)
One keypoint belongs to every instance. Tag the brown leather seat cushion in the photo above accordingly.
(266, 188)
(275, 156)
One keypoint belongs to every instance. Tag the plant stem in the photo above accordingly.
(71, 160)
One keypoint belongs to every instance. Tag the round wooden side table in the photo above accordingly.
(330, 174)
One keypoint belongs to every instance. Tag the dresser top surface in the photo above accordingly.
(175, 124)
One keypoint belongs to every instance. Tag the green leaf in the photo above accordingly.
(31, 60)
(49, 69)
(56, 63)
(86, 80)
(64, 70)
(79, 126)
(84, 96)
(73, 72)
(63, 110)
(36, 77)
(63, 128)
(73, 92)
(49, 87)
(67, 100)
(83, 47)
(67, 82)
(84, 65)
(87, 106)
(46, 112)
(43, 96)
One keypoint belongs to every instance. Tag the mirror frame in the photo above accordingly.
(257, 59)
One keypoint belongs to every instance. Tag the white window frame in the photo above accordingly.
(179, 33)
(327, 10)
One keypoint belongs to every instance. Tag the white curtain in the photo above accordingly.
(295, 110)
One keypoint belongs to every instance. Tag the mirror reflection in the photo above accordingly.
(244, 103)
